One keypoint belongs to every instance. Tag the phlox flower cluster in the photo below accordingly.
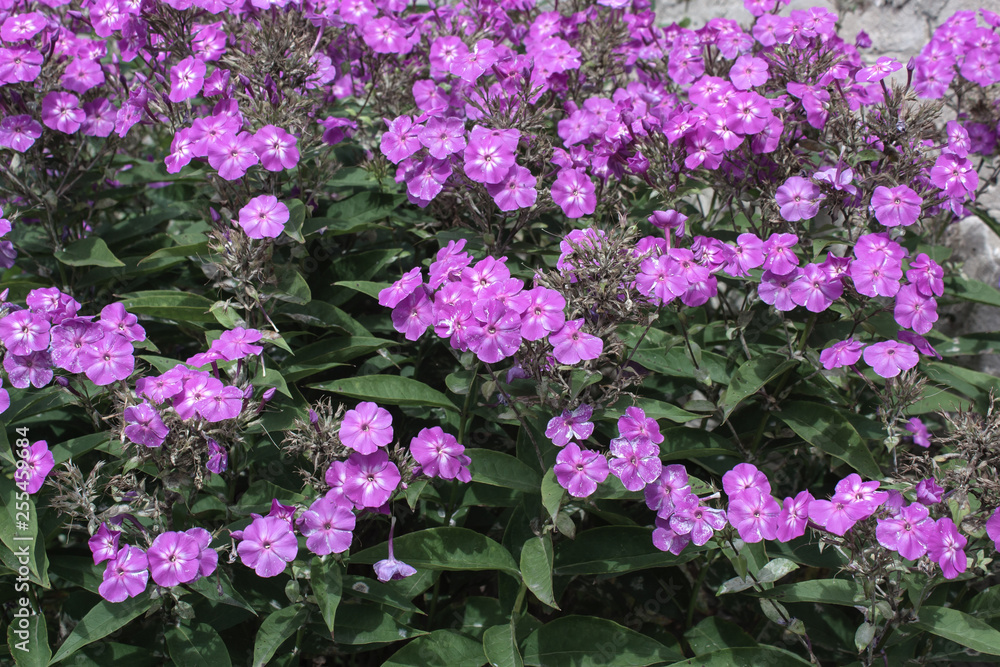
(481, 308)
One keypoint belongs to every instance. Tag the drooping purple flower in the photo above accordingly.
(571, 425)
(144, 426)
(799, 199)
(263, 217)
(276, 148)
(904, 532)
(391, 569)
(370, 479)
(928, 492)
(440, 455)
(889, 358)
(636, 462)
(754, 514)
(104, 544)
(366, 428)
(268, 545)
(173, 558)
(327, 527)
(570, 345)
(218, 458)
(126, 576)
(898, 206)
(580, 471)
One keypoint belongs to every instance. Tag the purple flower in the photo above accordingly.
(779, 258)
(927, 275)
(904, 532)
(470, 65)
(634, 424)
(160, 387)
(268, 545)
(32, 469)
(574, 193)
(19, 132)
(218, 459)
(876, 276)
(748, 72)
(104, 544)
(496, 333)
(33, 369)
(749, 113)
(882, 68)
(914, 310)
(839, 514)
(81, 75)
(665, 539)
(570, 425)
(544, 314)
(889, 358)
(126, 576)
(186, 79)
(391, 569)
(402, 288)
(20, 27)
(232, 154)
(401, 140)
(669, 220)
(776, 290)
(636, 463)
(236, 343)
(263, 217)
(440, 455)
(814, 289)
(955, 175)
(144, 425)
(669, 489)
(414, 314)
(62, 112)
(921, 436)
(842, 353)
(24, 332)
(20, 63)
(742, 477)
(748, 254)
(928, 492)
(993, 528)
(754, 515)
(571, 345)
(327, 527)
(115, 318)
(443, 136)
(945, 546)
(276, 148)
(366, 428)
(488, 156)
(226, 403)
(794, 517)
(370, 479)
(208, 558)
(580, 471)
(798, 198)
(173, 558)
(697, 521)
(898, 206)
(386, 35)
(516, 191)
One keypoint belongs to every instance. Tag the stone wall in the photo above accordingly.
(898, 28)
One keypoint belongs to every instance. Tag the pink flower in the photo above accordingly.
(414, 314)
(993, 528)
(21, 27)
(544, 314)
(104, 544)
(927, 275)
(81, 75)
(697, 521)
(814, 289)
(580, 471)
(186, 79)
(669, 489)
(496, 333)
(24, 332)
(387, 35)
(226, 403)
(945, 546)
(905, 531)
(276, 148)
(928, 492)
(634, 424)
(914, 310)
(327, 527)
(264, 217)
(754, 515)
(173, 558)
(748, 254)
(882, 68)
(889, 358)
(402, 288)
(366, 428)
(471, 64)
(876, 276)
(126, 576)
(779, 258)
(20, 64)
(839, 514)
(114, 318)
(232, 154)
(636, 463)
(268, 545)
(236, 343)
(571, 345)
(144, 425)
(776, 290)
(799, 199)
(62, 112)
(108, 360)
(898, 206)
(19, 132)
(516, 191)
(574, 193)
(570, 425)
(842, 353)
(665, 539)
(401, 140)
(745, 476)
(390, 569)
(440, 455)
(488, 157)
(370, 478)
(218, 459)
(748, 72)
(794, 517)
(443, 136)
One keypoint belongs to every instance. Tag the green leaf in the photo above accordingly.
(367, 624)
(751, 377)
(376, 591)
(774, 570)
(960, 628)
(746, 657)
(971, 290)
(654, 410)
(218, 588)
(18, 539)
(363, 286)
(388, 390)
(536, 568)
(583, 641)
(444, 549)
(190, 250)
(552, 493)
(499, 469)
(103, 619)
(91, 251)
(296, 216)
(500, 646)
(327, 584)
(614, 549)
(29, 645)
(831, 432)
(170, 304)
(198, 646)
(275, 629)
(714, 634)
(441, 648)
(845, 592)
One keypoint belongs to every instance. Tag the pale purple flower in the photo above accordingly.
(443, 136)
(570, 425)
(842, 353)
(898, 206)
(104, 544)
(391, 569)
(496, 333)
(889, 358)
(794, 517)
(62, 112)
(814, 289)
(19, 132)
(742, 477)
(580, 471)
(20, 64)
(126, 576)
(697, 521)
(208, 558)
(928, 492)
(876, 276)
(108, 360)
(635, 424)
(236, 343)
(401, 140)
(779, 258)
(665, 539)
(81, 75)
(186, 79)
(268, 545)
(748, 254)
(927, 275)
(21, 27)
(839, 514)
(226, 403)
(544, 314)
(914, 310)
(276, 148)
(754, 514)
(669, 489)
(516, 191)
(440, 455)
(366, 428)
(232, 154)
(571, 345)
(144, 426)
(946, 547)
(24, 332)
(636, 463)
(921, 436)
(414, 314)
(263, 217)
(882, 68)
(33, 369)
(574, 192)
(173, 558)
(748, 72)
(776, 290)
(798, 198)
(327, 527)
(487, 157)
(402, 288)
(904, 531)
(370, 479)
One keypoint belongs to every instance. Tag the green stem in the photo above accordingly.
(463, 420)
